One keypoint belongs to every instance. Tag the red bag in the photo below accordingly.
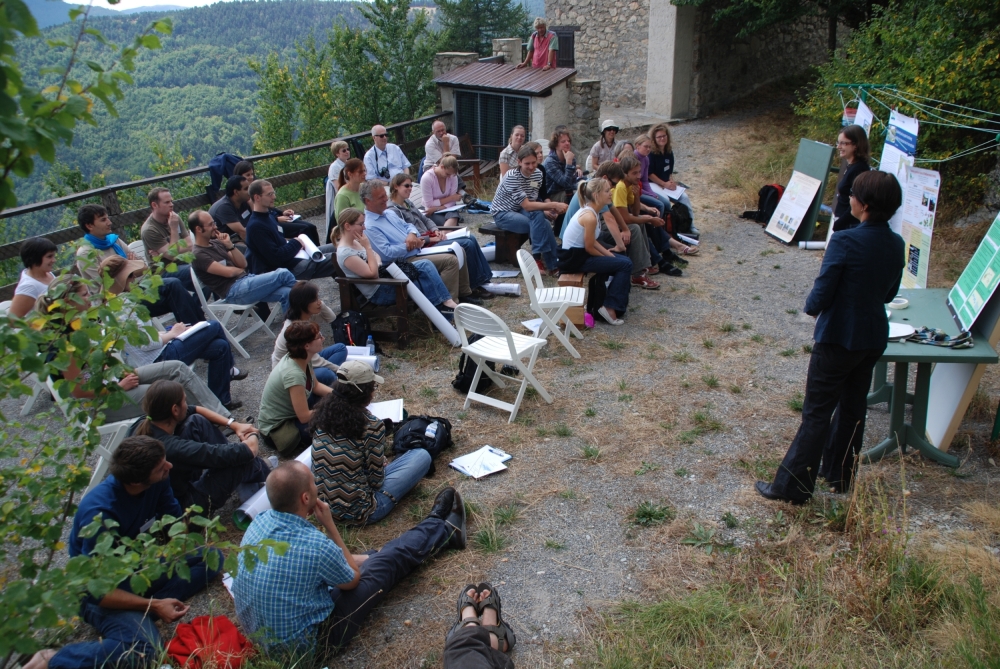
(212, 642)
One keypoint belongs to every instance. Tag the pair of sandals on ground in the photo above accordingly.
(479, 605)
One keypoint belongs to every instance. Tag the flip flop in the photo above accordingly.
(691, 250)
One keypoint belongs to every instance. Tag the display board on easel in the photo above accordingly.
(976, 306)
(813, 160)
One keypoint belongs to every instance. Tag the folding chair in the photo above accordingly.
(247, 323)
(551, 304)
(498, 344)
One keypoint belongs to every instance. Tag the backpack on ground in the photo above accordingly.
(467, 370)
(767, 201)
(351, 328)
(412, 433)
(597, 291)
(681, 219)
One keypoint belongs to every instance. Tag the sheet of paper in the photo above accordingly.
(920, 198)
(534, 325)
(672, 194)
(793, 207)
(309, 251)
(505, 273)
(450, 248)
(391, 409)
(454, 207)
(898, 154)
(483, 462)
(197, 327)
(864, 117)
(458, 234)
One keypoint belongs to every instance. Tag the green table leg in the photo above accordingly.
(882, 389)
(897, 429)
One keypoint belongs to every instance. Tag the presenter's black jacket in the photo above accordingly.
(861, 272)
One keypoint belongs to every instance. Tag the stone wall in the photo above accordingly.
(610, 46)
(725, 69)
(509, 48)
(584, 113)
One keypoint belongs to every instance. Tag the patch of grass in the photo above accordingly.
(795, 403)
(767, 252)
(791, 312)
(807, 348)
(568, 494)
(735, 389)
(390, 366)
(646, 468)
(530, 392)
(563, 431)
(788, 352)
(727, 327)
(759, 338)
(708, 343)
(613, 345)
(668, 426)
(649, 513)
(729, 520)
(760, 467)
(592, 453)
(682, 356)
(590, 412)
(661, 310)
(622, 384)
(554, 545)
(702, 536)
(681, 473)
(756, 298)
(428, 393)
(777, 267)
(624, 398)
(462, 415)
(506, 514)
(541, 432)
(711, 380)
(704, 421)
(747, 326)
(416, 513)
(567, 362)
(489, 540)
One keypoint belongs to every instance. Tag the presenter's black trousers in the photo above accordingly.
(837, 386)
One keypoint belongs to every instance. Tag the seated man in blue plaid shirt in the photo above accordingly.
(291, 603)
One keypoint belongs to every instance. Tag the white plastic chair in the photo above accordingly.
(551, 304)
(161, 322)
(112, 435)
(247, 323)
(498, 344)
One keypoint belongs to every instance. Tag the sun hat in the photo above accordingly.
(356, 372)
(125, 269)
(609, 125)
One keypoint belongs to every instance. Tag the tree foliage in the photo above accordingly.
(472, 25)
(947, 50)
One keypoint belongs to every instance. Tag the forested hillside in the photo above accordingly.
(196, 92)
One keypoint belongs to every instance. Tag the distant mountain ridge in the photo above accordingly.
(55, 12)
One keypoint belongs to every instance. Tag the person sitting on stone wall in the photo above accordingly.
(543, 45)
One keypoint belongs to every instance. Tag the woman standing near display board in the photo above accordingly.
(852, 146)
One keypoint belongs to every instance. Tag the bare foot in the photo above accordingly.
(490, 618)
(40, 660)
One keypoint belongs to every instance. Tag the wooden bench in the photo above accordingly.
(575, 314)
(507, 242)
(474, 167)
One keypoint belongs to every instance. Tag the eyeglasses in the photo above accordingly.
(406, 185)
(382, 135)
(845, 143)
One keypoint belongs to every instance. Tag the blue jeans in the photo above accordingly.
(176, 300)
(336, 354)
(662, 204)
(535, 224)
(208, 344)
(401, 476)
(480, 272)
(430, 284)
(130, 638)
(620, 269)
(271, 287)
(182, 274)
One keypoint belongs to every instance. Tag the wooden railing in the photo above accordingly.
(121, 219)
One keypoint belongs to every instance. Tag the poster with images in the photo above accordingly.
(920, 198)
(864, 117)
(898, 154)
(979, 279)
(793, 207)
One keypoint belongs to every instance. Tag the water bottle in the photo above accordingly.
(371, 346)
(431, 430)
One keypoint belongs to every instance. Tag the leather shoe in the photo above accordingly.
(233, 406)
(235, 374)
(482, 294)
(456, 520)
(670, 270)
(444, 503)
(470, 299)
(766, 492)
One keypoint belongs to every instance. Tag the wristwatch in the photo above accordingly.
(230, 422)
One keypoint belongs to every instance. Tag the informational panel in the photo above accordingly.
(864, 117)
(898, 154)
(920, 198)
(793, 208)
(979, 279)
(813, 159)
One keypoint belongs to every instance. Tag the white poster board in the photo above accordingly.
(793, 207)
(898, 154)
(864, 117)
(920, 198)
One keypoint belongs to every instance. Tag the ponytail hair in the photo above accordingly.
(350, 167)
(158, 403)
(587, 190)
(347, 216)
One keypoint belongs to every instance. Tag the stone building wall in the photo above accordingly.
(610, 46)
(725, 69)
(584, 113)
(446, 61)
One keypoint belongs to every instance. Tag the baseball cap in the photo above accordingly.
(356, 372)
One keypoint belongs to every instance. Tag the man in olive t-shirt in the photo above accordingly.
(161, 231)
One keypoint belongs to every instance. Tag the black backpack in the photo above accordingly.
(767, 201)
(351, 328)
(411, 434)
(597, 291)
(467, 370)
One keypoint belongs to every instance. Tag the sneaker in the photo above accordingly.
(644, 282)
(607, 316)
(467, 199)
(236, 375)
(541, 268)
(651, 270)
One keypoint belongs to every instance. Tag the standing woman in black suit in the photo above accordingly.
(861, 272)
(852, 145)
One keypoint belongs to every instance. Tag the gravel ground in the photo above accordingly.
(687, 404)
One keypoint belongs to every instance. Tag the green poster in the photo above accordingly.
(979, 279)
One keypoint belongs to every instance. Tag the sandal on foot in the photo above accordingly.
(465, 601)
(501, 630)
(691, 251)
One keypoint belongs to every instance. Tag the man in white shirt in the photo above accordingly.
(439, 145)
(384, 160)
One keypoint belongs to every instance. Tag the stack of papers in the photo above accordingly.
(487, 460)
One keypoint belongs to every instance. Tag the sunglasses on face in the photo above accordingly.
(382, 135)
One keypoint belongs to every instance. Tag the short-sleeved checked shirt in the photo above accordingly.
(281, 603)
